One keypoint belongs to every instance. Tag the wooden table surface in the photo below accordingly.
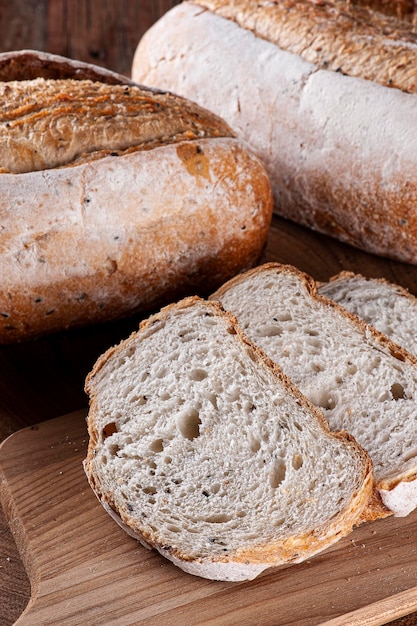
(43, 379)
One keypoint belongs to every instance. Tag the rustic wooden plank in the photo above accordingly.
(101, 31)
(23, 24)
(74, 573)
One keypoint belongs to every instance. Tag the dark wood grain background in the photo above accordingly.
(44, 379)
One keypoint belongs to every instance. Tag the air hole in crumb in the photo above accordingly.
(211, 397)
(215, 488)
(173, 529)
(251, 354)
(198, 374)
(277, 475)
(248, 406)
(397, 391)
(298, 427)
(109, 430)
(326, 401)
(410, 455)
(150, 490)
(111, 266)
(157, 445)
(297, 461)
(254, 444)
(316, 367)
(113, 450)
(218, 519)
(188, 423)
(268, 331)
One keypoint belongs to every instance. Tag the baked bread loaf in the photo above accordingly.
(201, 448)
(115, 198)
(392, 309)
(325, 92)
(362, 381)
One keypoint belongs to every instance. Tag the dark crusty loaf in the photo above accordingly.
(201, 448)
(362, 381)
(114, 198)
(325, 92)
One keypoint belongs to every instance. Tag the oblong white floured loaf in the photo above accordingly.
(325, 94)
(362, 381)
(201, 448)
(115, 198)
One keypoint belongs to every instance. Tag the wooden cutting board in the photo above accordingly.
(84, 569)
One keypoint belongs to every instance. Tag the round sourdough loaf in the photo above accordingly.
(115, 198)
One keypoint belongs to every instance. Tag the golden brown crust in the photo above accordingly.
(30, 64)
(51, 123)
(355, 41)
(103, 239)
(376, 509)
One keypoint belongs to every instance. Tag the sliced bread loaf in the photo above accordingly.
(387, 306)
(362, 381)
(201, 448)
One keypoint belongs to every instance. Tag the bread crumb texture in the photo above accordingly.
(362, 381)
(209, 454)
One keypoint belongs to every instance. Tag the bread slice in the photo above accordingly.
(387, 306)
(201, 448)
(362, 381)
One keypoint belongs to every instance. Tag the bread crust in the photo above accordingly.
(356, 41)
(31, 64)
(248, 562)
(121, 232)
(339, 149)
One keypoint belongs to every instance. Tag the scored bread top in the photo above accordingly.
(47, 123)
(334, 35)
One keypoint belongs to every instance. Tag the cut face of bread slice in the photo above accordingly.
(387, 306)
(362, 381)
(201, 448)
